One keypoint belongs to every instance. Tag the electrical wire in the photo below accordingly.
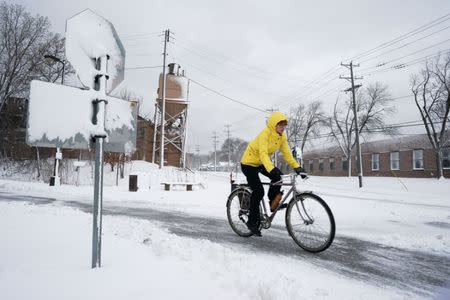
(420, 29)
(226, 97)
(145, 67)
(404, 45)
(396, 59)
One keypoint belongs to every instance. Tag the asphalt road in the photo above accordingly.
(417, 272)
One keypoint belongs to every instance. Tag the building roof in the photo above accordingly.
(418, 141)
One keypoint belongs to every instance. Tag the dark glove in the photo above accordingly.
(275, 172)
(300, 170)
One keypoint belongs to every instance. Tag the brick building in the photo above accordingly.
(410, 156)
(13, 125)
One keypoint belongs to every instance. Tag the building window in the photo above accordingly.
(332, 166)
(395, 160)
(320, 164)
(344, 164)
(446, 158)
(418, 159)
(311, 165)
(141, 132)
(375, 162)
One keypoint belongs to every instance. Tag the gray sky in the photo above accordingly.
(262, 53)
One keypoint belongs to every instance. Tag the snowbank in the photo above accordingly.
(46, 255)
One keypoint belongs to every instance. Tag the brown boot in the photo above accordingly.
(276, 200)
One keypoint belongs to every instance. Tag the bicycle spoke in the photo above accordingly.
(310, 223)
(237, 211)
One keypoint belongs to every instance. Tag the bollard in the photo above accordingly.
(132, 183)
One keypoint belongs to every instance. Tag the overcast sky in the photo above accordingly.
(264, 53)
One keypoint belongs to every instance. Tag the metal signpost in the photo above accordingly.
(96, 53)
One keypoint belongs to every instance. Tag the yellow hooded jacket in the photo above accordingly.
(268, 141)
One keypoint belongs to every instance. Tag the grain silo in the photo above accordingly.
(175, 118)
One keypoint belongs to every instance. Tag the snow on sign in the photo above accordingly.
(88, 37)
(62, 116)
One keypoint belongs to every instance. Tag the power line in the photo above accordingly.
(309, 85)
(403, 36)
(127, 35)
(214, 75)
(385, 45)
(144, 67)
(404, 45)
(226, 97)
(412, 53)
(225, 59)
(406, 64)
(239, 66)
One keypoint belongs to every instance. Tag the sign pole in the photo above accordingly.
(102, 78)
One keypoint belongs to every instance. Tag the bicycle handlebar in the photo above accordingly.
(280, 182)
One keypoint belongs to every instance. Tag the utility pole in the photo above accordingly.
(197, 149)
(229, 146)
(163, 100)
(155, 120)
(355, 114)
(215, 150)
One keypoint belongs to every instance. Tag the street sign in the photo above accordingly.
(61, 116)
(88, 37)
(68, 117)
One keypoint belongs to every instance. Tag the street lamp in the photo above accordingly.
(63, 62)
(55, 179)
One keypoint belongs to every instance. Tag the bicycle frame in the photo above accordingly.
(292, 190)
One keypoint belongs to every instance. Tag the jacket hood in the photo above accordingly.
(275, 118)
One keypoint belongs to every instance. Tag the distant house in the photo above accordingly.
(410, 156)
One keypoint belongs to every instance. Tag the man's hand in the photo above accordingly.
(300, 171)
(275, 172)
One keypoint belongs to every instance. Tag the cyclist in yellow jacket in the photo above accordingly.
(256, 159)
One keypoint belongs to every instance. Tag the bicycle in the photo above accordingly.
(308, 219)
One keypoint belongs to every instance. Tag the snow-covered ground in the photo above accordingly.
(45, 249)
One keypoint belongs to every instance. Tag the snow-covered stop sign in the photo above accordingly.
(88, 37)
(63, 116)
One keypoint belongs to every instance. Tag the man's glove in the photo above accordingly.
(275, 172)
(300, 170)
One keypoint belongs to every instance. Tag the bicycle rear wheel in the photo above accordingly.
(238, 208)
(310, 222)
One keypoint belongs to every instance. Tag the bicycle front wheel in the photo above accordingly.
(310, 222)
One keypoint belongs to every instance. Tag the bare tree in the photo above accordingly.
(237, 147)
(304, 123)
(116, 158)
(24, 40)
(431, 89)
(373, 105)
